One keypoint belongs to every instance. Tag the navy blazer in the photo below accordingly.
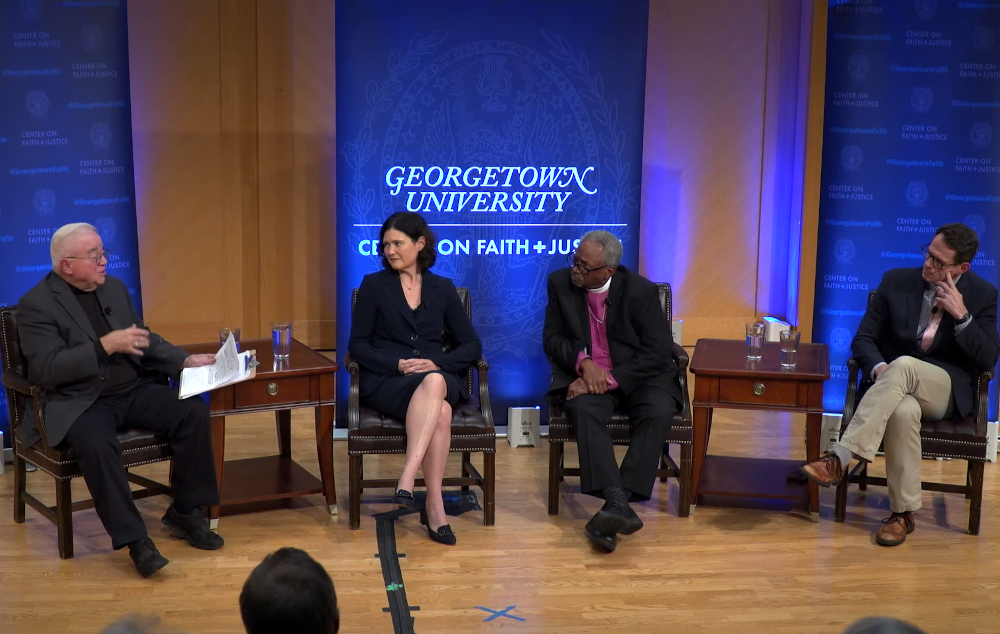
(58, 341)
(384, 329)
(889, 331)
(638, 335)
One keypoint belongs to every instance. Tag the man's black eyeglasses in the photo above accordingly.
(938, 264)
(579, 266)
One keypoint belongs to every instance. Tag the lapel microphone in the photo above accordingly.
(107, 310)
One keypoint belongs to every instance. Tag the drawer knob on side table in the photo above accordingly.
(272, 389)
(758, 388)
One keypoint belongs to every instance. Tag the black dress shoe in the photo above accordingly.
(146, 557)
(402, 497)
(605, 542)
(443, 535)
(612, 519)
(193, 528)
(632, 521)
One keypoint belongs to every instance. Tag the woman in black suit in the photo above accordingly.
(397, 337)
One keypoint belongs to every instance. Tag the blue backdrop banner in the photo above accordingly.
(514, 127)
(65, 137)
(910, 143)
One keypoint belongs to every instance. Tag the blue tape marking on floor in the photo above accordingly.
(498, 613)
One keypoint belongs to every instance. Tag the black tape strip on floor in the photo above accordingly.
(456, 503)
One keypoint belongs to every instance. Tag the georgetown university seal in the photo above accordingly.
(45, 202)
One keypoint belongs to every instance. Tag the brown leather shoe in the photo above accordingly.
(825, 470)
(894, 529)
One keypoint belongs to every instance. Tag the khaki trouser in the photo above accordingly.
(907, 391)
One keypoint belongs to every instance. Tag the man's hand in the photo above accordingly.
(594, 376)
(576, 388)
(199, 360)
(130, 340)
(415, 366)
(879, 370)
(949, 299)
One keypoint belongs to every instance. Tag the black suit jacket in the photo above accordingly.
(638, 335)
(384, 329)
(889, 330)
(58, 341)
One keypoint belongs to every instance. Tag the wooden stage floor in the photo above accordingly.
(719, 570)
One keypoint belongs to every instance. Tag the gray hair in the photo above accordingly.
(611, 245)
(62, 234)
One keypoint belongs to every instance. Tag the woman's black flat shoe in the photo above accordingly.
(443, 535)
(402, 497)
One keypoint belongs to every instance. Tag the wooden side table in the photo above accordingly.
(726, 379)
(305, 379)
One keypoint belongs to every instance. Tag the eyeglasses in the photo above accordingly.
(938, 264)
(96, 259)
(579, 266)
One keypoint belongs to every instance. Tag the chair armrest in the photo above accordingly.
(14, 381)
(353, 393)
(482, 370)
(853, 383)
(680, 358)
(18, 383)
(982, 402)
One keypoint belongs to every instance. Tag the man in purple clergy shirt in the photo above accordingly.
(610, 348)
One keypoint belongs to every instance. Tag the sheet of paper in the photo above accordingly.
(230, 366)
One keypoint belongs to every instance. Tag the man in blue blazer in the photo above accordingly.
(610, 347)
(924, 339)
(102, 372)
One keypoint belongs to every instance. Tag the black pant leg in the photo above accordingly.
(590, 415)
(186, 425)
(93, 439)
(650, 411)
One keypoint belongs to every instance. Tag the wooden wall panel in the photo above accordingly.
(178, 164)
(314, 208)
(194, 130)
(704, 125)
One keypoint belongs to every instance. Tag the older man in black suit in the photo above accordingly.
(923, 340)
(103, 371)
(610, 348)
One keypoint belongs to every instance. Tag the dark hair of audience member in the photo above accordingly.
(289, 592)
(882, 625)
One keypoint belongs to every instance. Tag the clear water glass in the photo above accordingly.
(281, 338)
(755, 341)
(789, 341)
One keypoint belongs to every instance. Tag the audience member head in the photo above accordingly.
(882, 625)
(289, 592)
(949, 253)
(78, 255)
(596, 259)
(405, 240)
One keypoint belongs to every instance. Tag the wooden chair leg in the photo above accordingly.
(489, 488)
(357, 473)
(466, 459)
(968, 480)
(555, 475)
(20, 485)
(687, 469)
(976, 505)
(64, 517)
(840, 506)
(863, 478)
